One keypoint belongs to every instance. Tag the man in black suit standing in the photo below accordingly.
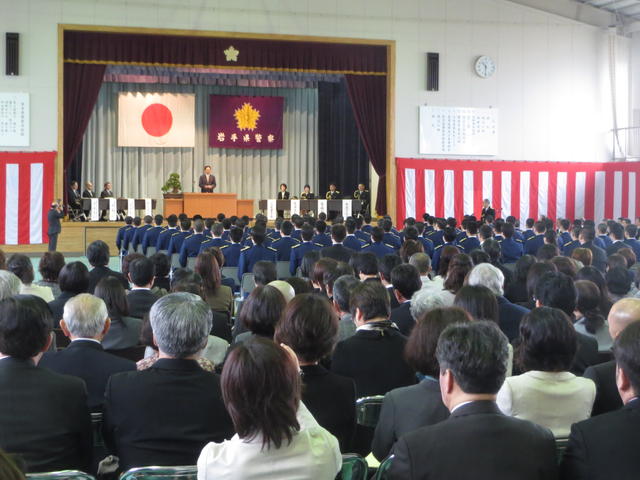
(487, 211)
(44, 417)
(207, 181)
(53, 230)
(406, 281)
(283, 194)
(166, 414)
(606, 446)
(477, 440)
(140, 298)
(86, 321)
(337, 251)
(98, 257)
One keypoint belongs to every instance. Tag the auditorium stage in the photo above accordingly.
(75, 237)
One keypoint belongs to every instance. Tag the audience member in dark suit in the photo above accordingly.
(73, 279)
(406, 409)
(623, 313)
(309, 326)
(599, 256)
(385, 265)
(337, 251)
(616, 234)
(140, 297)
(166, 414)
(85, 322)
(207, 182)
(406, 281)
(44, 418)
(53, 230)
(125, 330)
(477, 441)
(605, 446)
(98, 257)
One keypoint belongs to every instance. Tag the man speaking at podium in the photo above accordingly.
(207, 181)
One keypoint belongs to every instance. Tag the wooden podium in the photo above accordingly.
(209, 205)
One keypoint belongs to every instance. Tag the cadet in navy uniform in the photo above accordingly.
(129, 234)
(351, 241)
(569, 247)
(138, 236)
(362, 235)
(122, 231)
(563, 232)
(284, 244)
(630, 232)
(177, 238)
(298, 222)
(250, 255)
(367, 227)
(298, 251)
(470, 242)
(390, 238)
(602, 235)
(150, 237)
(217, 241)
(437, 236)
(533, 243)
(321, 236)
(164, 237)
(528, 232)
(511, 247)
(377, 246)
(191, 244)
(232, 250)
(449, 237)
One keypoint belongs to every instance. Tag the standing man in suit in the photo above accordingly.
(140, 297)
(85, 322)
(53, 230)
(364, 196)
(207, 181)
(406, 281)
(165, 415)
(606, 446)
(477, 440)
(487, 211)
(283, 194)
(44, 418)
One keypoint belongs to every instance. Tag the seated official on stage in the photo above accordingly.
(283, 194)
(364, 196)
(207, 181)
(108, 191)
(88, 191)
(75, 206)
(307, 194)
(333, 193)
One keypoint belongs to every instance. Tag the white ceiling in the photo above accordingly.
(622, 8)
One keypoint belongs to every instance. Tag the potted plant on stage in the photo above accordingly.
(172, 187)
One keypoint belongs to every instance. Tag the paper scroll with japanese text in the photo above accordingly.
(131, 207)
(346, 208)
(95, 210)
(322, 206)
(295, 207)
(272, 212)
(148, 210)
(113, 210)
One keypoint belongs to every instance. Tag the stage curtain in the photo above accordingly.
(81, 87)
(368, 95)
(252, 174)
(342, 156)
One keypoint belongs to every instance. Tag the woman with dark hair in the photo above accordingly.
(594, 275)
(49, 267)
(408, 248)
(589, 319)
(261, 312)
(73, 279)
(565, 265)
(547, 393)
(320, 268)
(406, 409)
(448, 252)
(125, 330)
(479, 301)
(619, 282)
(309, 260)
(459, 266)
(276, 436)
(310, 327)
(536, 271)
(20, 265)
(583, 255)
(219, 256)
(516, 290)
(218, 296)
(162, 268)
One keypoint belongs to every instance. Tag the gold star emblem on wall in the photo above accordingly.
(247, 117)
(232, 54)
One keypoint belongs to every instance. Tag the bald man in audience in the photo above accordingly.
(623, 313)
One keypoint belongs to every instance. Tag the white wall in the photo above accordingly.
(551, 85)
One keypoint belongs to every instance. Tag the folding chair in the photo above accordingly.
(248, 284)
(62, 475)
(282, 270)
(191, 263)
(381, 473)
(368, 410)
(151, 251)
(354, 467)
(175, 261)
(231, 272)
(189, 472)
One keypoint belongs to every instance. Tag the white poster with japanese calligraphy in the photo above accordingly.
(346, 208)
(272, 212)
(131, 207)
(322, 206)
(95, 210)
(295, 207)
(14, 119)
(458, 131)
(113, 210)
(148, 210)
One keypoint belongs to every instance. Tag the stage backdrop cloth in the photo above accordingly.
(245, 122)
(453, 188)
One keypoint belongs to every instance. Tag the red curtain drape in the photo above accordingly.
(368, 95)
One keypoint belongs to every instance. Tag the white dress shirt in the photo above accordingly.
(313, 454)
(555, 400)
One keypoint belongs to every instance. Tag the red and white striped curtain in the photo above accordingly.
(453, 188)
(26, 193)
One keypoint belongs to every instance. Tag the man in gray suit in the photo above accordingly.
(54, 229)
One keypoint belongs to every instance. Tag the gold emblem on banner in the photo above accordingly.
(231, 54)
(247, 117)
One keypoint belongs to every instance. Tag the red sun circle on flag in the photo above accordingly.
(157, 120)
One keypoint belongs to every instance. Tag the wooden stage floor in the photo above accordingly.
(75, 237)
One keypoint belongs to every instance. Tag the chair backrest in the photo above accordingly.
(231, 272)
(62, 475)
(139, 249)
(354, 467)
(282, 270)
(381, 473)
(561, 446)
(189, 472)
(191, 262)
(132, 353)
(248, 283)
(175, 260)
(368, 410)
(151, 251)
(62, 341)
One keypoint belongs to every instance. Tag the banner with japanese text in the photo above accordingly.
(245, 122)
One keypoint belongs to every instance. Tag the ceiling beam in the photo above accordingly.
(573, 10)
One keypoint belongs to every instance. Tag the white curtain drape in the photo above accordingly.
(251, 174)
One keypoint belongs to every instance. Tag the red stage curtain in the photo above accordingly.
(368, 95)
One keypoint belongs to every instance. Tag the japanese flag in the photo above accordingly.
(156, 119)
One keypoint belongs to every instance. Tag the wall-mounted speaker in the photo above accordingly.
(12, 54)
(433, 71)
